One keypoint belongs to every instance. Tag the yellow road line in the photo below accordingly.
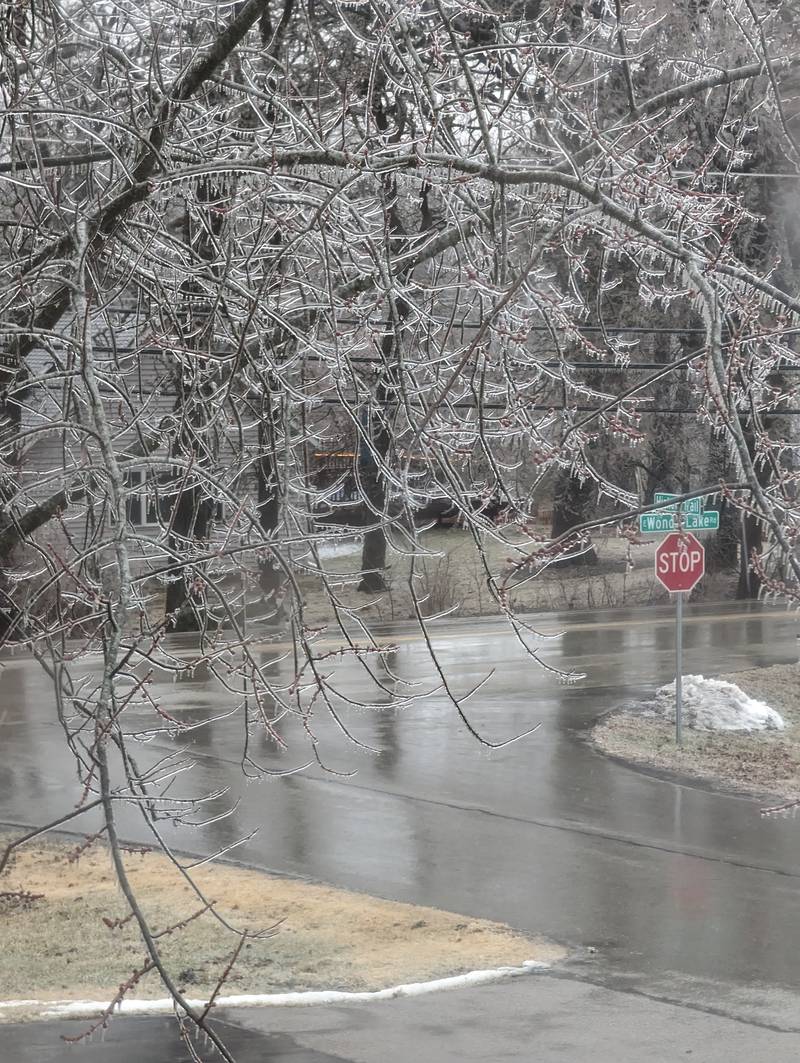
(456, 634)
(499, 628)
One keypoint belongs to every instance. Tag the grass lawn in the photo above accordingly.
(64, 945)
(763, 762)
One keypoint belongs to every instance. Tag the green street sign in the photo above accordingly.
(707, 521)
(667, 522)
(656, 522)
(693, 505)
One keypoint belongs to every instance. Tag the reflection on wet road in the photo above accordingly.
(685, 893)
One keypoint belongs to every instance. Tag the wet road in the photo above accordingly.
(547, 1018)
(685, 894)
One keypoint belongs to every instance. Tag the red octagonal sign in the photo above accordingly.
(680, 561)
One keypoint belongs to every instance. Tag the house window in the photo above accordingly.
(332, 467)
(140, 503)
(150, 498)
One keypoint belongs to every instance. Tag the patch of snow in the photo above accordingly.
(715, 705)
(339, 547)
(91, 1008)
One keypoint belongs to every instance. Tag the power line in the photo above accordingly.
(554, 364)
(56, 162)
(548, 407)
(548, 364)
(89, 157)
(600, 330)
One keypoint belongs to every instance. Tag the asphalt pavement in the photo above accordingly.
(667, 894)
(539, 1018)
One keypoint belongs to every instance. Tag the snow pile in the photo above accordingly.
(714, 705)
(91, 1008)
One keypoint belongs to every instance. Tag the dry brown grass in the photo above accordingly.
(452, 574)
(761, 762)
(60, 948)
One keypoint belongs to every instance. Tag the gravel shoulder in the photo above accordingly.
(60, 940)
(765, 762)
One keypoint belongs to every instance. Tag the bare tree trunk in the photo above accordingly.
(373, 553)
(723, 547)
(572, 504)
(10, 422)
(751, 528)
(192, 512)
(752, 540)
(191, 521)
(270, 577)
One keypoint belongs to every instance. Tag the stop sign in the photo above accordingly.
(680, 561)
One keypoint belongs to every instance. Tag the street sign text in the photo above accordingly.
(667, 522)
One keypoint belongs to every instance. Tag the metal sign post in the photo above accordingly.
(680, 564)
(679, 668)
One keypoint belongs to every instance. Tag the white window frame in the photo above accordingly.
(147, 502)
(137, 495)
